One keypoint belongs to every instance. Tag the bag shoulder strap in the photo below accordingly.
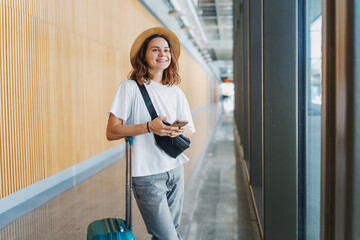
(148, 103)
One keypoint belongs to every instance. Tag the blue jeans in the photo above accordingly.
(160, 199)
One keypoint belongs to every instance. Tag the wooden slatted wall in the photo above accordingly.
(61, 63)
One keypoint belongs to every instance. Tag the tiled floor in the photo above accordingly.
(217, 202)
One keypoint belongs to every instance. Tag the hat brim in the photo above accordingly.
(174, 42)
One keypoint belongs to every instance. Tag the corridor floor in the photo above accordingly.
(217, 202)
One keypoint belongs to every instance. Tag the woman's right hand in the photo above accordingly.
(159, 128)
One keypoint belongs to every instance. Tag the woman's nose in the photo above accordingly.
(164, 52)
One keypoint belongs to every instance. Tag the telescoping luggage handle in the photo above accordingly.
(128, 185)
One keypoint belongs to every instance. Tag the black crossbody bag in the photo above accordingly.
(172, 146)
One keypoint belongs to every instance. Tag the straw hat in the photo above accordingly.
(174, 42)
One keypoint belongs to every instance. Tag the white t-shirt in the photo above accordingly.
(129, 105)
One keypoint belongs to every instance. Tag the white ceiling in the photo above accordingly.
(211, 22)
(211, 29)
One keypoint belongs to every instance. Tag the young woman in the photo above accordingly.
(158, 179)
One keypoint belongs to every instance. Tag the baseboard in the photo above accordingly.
(242, 160)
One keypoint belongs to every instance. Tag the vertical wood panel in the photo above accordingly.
(61, 63)
(2, 137)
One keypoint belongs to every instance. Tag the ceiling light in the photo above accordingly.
(185, 28)
(192, 39)
(177, 13)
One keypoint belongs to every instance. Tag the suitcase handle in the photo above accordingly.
(128, 189)
(130, 140)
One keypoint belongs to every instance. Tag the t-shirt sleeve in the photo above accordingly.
(121, 105)
(185, 112)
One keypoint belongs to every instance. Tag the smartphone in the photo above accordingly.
(179, 123)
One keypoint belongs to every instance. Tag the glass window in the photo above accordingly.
(313, 22)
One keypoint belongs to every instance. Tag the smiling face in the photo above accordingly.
(158, 55)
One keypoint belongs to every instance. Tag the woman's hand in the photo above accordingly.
(177, 131)
(159, 128)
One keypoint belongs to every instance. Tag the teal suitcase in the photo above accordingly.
(109, 228)
(114, 228)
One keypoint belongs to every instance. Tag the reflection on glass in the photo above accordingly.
(315, 66)
(313, 118)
